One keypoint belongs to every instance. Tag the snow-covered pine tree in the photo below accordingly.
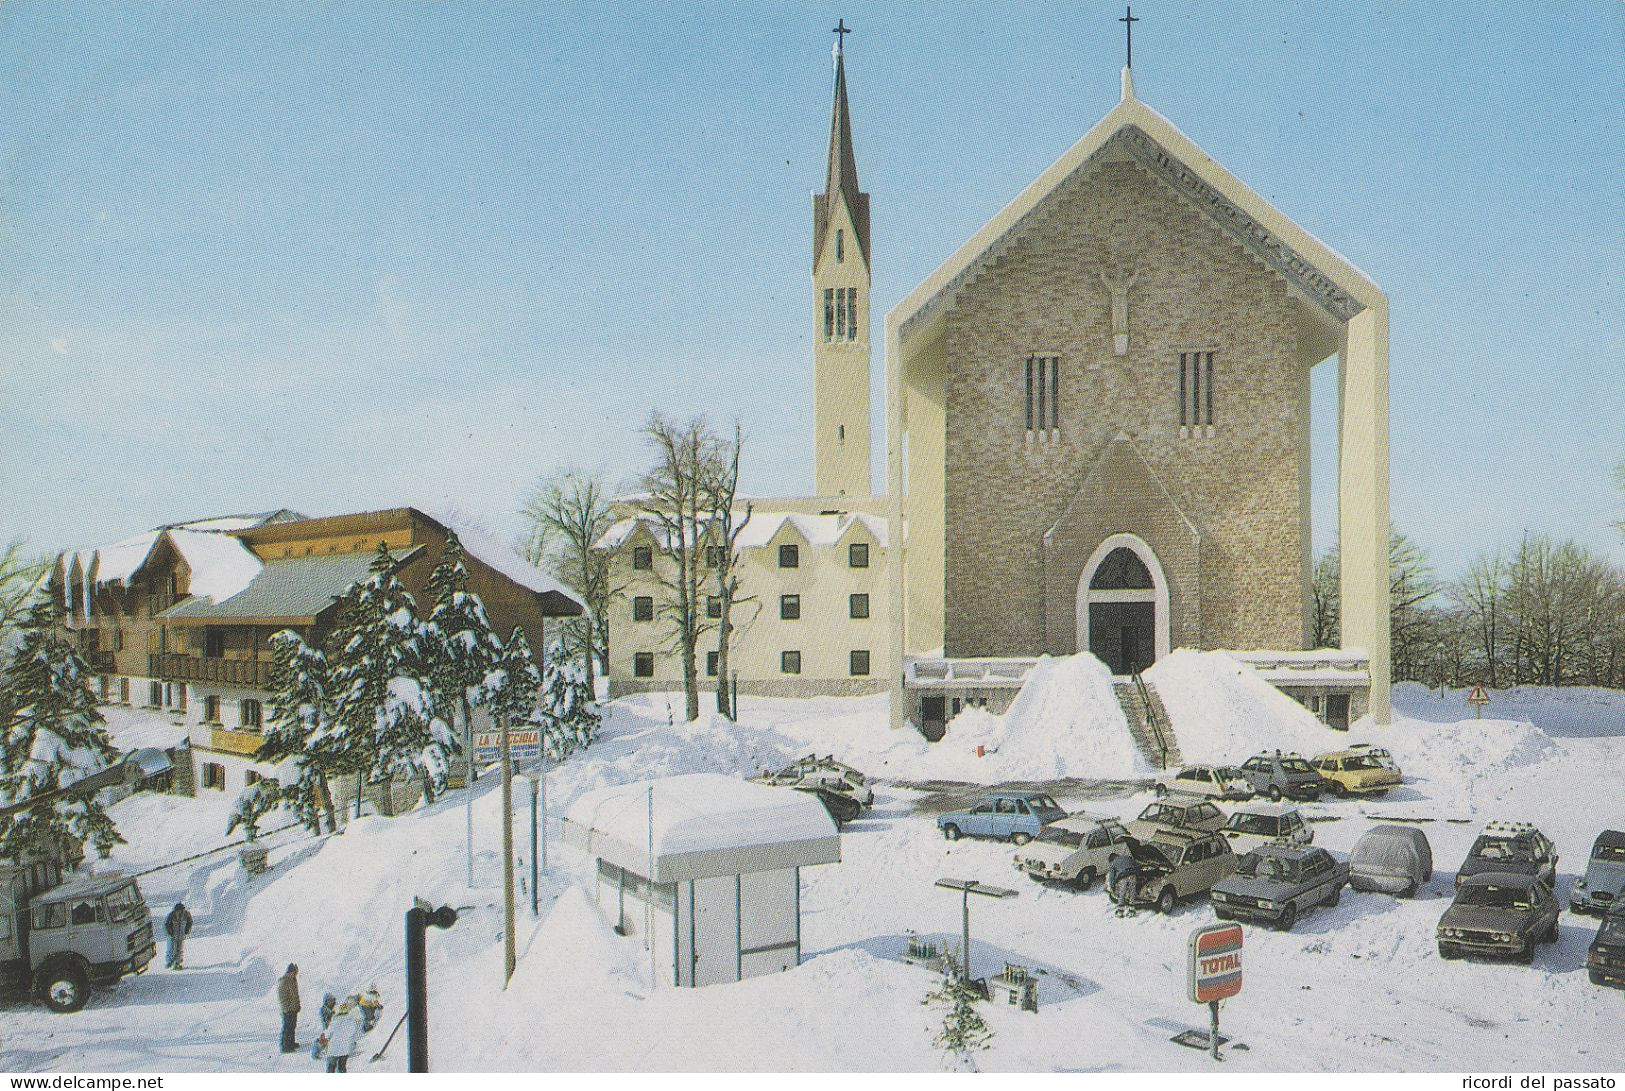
(383, 699)
(300, 728)
(53, 735)
(464, 648)
(512, 689)
(569, 720)
(964, 1031)
(256, 801)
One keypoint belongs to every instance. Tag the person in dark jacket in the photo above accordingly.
(287, 998)
(177, 926)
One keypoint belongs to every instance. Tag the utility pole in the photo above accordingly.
(418, 918)
(535, 781)
(468, 790)
(508, 949)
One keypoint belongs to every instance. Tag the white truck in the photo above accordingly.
(59, 936)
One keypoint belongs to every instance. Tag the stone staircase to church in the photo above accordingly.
(1148, 722)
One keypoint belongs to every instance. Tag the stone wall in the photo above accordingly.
(1196, 290)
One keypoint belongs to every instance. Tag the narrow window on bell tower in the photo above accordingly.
(840, 245)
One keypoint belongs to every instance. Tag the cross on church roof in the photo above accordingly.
(841, 31)
(1128, 21)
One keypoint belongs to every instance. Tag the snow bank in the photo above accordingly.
(1468, 763)
(1066, 722)
(1567, 711)
(1222, 711)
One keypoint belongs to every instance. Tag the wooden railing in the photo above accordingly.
(246, 673)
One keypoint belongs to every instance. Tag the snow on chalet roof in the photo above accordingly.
(230, 523)
(486, 548)
(221, 565)
(704, 825)
(118, 561)
(285, 588)
(762, 528)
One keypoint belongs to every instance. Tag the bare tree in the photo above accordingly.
(1324, 577)
(1481, 595)
(676, 502)
(720, 486)
(568, 512)
(1410, 584)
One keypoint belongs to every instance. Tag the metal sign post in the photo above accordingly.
(1213, 971)
(966, 888)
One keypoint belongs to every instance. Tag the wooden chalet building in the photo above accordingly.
(179, 618)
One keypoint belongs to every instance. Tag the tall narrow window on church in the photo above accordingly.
(840, 245)
(1207, 366)
(852, 314)
(1184, 406)
(829, 314)
(1043, 392)
(840, 314)
(1195, 388)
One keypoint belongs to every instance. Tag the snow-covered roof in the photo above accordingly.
(761, 528)
(285, 589)
(221, 565)
(487, 549)
(229, 523)
(703, 825)
(121, 560)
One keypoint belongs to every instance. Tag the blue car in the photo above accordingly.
(1008, 816)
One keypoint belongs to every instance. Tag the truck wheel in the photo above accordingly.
(65, 989)
(1165, 901)
(951, 832)
(1085, 879)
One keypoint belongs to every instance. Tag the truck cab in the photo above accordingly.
(59, 937)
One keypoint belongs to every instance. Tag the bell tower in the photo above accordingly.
(840, 276)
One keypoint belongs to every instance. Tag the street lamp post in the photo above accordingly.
(966, 888)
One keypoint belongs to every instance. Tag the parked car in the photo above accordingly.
(1282, 776)
(1074, 849)
(1605, 959)
(839, 787)
(1603, 885)
(1170, 865)
(1513, 847)
(1212, 781)
(1277, 883)
(1392, 859)
(1357, 771)
(1016, 816)
(1255, 825)
(1178, 813)
(1499, 913)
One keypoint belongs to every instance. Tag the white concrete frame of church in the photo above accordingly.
(1342, 311)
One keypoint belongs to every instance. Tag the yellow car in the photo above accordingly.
(1357, 771)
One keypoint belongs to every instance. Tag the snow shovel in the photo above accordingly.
(379, 1055)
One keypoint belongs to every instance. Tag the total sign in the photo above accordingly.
(1215, 963)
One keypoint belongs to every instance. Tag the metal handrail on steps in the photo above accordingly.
(1151, 718)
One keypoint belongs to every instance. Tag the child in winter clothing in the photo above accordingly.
(340, 1038)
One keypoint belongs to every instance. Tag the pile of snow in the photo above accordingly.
(1066, 722)
(1223, 712)
(1470, 763)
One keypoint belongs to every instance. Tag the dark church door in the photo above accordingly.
(1122, 635)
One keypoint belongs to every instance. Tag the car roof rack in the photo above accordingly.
(1508, 829)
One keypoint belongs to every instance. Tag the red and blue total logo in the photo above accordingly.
(1215, 963)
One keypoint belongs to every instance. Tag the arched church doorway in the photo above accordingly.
(1123, 605)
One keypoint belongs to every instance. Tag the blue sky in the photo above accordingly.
(345, 256)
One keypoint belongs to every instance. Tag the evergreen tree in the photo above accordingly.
(464, 648)
(512, 688)
(256, 801)
(300, 727)
(384, 710)
(52, 736)
(569, 720)
(964, 1031)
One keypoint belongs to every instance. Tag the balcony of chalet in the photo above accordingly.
(239, 673)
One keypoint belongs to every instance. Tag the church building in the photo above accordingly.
(1098, 429)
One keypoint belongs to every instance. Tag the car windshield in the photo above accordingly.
(1161, 812)
(124, 904)
(1043, 803)
(1229, 772)
(1266, 825)
(1499, 848)
(1069, 838)
(1611, 853)
(1490, 896)
(1364, 761)
(1296, 765)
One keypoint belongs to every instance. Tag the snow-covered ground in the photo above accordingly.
(1357, 987)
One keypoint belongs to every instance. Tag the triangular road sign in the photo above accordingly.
(1478, 696)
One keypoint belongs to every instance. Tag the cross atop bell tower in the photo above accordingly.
(840, 273)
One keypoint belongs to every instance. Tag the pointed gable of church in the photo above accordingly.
(841, 178)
